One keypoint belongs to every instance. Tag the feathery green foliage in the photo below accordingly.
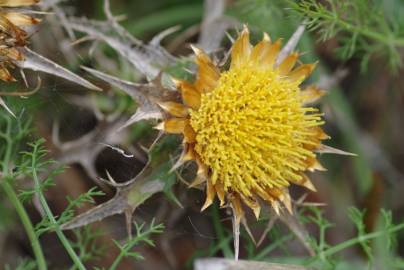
(363, 28)
(326, 254)
(32, 163)
(142, 236)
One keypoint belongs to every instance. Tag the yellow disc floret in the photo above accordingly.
(252, 130)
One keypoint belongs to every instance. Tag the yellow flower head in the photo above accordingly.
(248, 128)
(12, 35)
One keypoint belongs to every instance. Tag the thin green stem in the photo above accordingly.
(19, 207)
(117, 261)
(264, 253)
(357, 240)
(367, 32)
(141, 236)
(65, 242)
(26, 222)
(354, 241)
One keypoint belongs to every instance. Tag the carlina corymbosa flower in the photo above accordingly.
(249, 128)
(12, 34)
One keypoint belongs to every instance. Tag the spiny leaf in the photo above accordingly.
(146, 58)
(86, 149)
(214, 25)
(128, 197)
(112, 207)
(37, 62)
(145, 96)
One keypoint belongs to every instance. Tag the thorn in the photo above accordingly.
(288, 203)
(110, 177)
(275, 206)
(176, 82)
(128, 215)
(245, 29)
(160, 126)
(206, 205)
(309, 185)
(266, 37)
(236, 235)
(196, 50)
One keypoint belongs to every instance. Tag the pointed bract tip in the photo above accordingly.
(245, 29)
(316, 166)
(206, 205)
(266, 37)
(309, 185)
(177, 82)
(162, 104)
(288, 203)
(275, 206)
(222, 203)
(196, 50)
(160, 126)
(278, 42)
(257, 211)
(313, 66)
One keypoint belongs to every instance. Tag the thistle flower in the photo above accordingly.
(249, 128)
(12, 36)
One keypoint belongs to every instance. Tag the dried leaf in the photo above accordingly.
(38, 62)
(126, 200)
(114, 206)
(146, 58)
(137, 91)
(214, 25)
(86, 149)
(128, 197)
(146, 96)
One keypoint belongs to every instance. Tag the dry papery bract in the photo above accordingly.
(15, 53)
(12, 35)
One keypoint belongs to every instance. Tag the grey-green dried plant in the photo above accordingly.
(154, 178)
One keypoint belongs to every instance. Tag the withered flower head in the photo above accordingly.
(12, 35)
(249, 128)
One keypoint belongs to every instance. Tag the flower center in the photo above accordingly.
(253, 131)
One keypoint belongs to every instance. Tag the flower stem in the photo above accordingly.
(51, 217)
(26, 222)
(354, 241)
(19, 207)
(357, 240)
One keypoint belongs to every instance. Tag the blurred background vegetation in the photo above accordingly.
(360, 48)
